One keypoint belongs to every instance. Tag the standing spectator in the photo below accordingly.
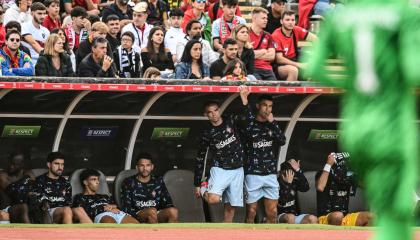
(198, 13)
(287, 37)
(62, 34)
(192, 65)
(264, 45)
(245, 49)
(157, 11)
(194, 32)
(175, 32)
(223, 26)
(230, 51)
(155, 54)
(34, 34)
(15, 62)
(121, 9)
(291, 181)
(79, 28)
(215, 11)
(13, 25)
(54, 61)
(97, 63)
(139, 27)
(127, 61)
(113, 35)
(20, 12)
(274, 15)
(91, 6)
(2, 28)
(235, 70)
(55, 189)
(145, 196)
(52, 20)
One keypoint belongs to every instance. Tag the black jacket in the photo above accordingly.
(45, 67)
(89, 68)
(85, 48)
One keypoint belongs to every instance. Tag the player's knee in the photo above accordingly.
(292, 70)
(107, 219)
(309, 219)
(151, 215)
(289, 218)
(213, 199)
(335, 218)
(173, 213)
(4, 216)
(364, 219)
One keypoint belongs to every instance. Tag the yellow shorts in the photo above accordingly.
(349, 220)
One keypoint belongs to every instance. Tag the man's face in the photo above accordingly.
(265, 107)
(288, 22)
(39, 16)
(78, 21)
(176, 21)
(195, 30)
(92, 183)
(126, 42)
(56, 167)
(16, 163)
(13, 42)
(229, 11)
(212, 112)
(114, 27)
(199, 4)
(231, 51)
(278, 7)
(53, 9)
(100, 50)
(260, 19)
(144, 167)
(139, 18)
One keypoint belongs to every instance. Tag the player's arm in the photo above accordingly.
(127, 200)
(311, 37)
(165, 197)
(68, 195)
(265, 54)
(203, 150)
(321, 182)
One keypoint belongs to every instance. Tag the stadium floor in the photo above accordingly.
(194, 231)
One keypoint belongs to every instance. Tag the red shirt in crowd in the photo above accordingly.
(266, 43)
(286, 44)
(82, 3)
(50, 24)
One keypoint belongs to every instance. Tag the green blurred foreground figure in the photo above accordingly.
(379, 41)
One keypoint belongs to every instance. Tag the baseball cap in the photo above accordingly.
(140, 7)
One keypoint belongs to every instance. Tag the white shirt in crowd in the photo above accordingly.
(209, 56)
(14, 14)
(141, 38)
(172, 37)
(39, 34)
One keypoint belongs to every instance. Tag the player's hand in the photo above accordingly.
(331, 159)
(295, 164)
(244, 93)
(86, 23)
(270, 117)
(288, 176)
(197, 193)
(107, 63)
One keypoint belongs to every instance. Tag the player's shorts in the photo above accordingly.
(348, 220)
(118, 217)
(229, 184)
(258, 187)
(298, 218)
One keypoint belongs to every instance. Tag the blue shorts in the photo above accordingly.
(229, 184)
(298, 218)
(118, 217)
(258, 187)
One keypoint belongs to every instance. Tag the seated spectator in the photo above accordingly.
(33, 33)
(335, 184)
(121, 9)
(13, 25)
(97, 63)
(157, 11)
(222, 26)
(145, 196)
(287, 37)
(155, 54)
(235, 70)
(79, 28)
(99, 29)
(91, 6)
(152, 73)
(198, 13)
(192, 65)
(113, 35)
(127, 61)
(245, 49)
(15, 62)
(291, 181)
(215, 11)
(20, 12)
(53, 61)
(139, 27)
(62, 34)
(175, 32)
(230, 51)
(274, 15)
(194, 32)
(52, 20)
(264, 45)
(99, 207)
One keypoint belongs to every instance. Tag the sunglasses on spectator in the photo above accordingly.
(14, 39)
(200, 1)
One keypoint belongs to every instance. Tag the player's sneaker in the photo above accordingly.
(204, 187)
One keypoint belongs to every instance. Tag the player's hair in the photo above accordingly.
(86, 174)
(38, 6)
(54, 155)
(287, 13)
(230, 3)
(210, 103)
(144, 155)
(259, 10)
(229, 41)
(12, 32)
(264, 97)
(112, 17)
(176, 12)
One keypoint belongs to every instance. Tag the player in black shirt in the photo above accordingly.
(335, 184)
(221, 148)
(291, 181)
(262, 134)
(145, 196)
(99, 207)
(55, 189)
